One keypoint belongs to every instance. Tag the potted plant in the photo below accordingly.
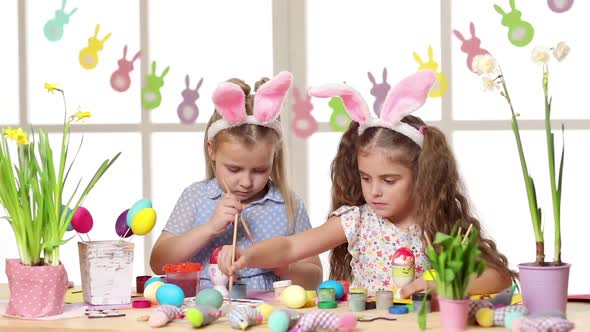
(31, 193)
(455, 259)
(544, 284)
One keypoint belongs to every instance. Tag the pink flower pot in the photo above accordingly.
(35, 291)
(544, 288)
(453, 314)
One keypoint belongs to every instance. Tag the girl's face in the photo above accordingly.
(387, 184)
(246, 169)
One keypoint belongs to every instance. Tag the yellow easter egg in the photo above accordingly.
(150, 291)
(485, 317)
(294, 297)
(266, 310)
(144, 221)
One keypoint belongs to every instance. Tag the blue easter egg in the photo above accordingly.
(332, 284)
(170, 294)
(70, 227)
(278, 321)
(152, 279)
(138, 206)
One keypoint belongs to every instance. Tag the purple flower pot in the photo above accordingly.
(544, 288)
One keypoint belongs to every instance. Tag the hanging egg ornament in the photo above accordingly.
(82, 220)
(144, 221)
(121, 225)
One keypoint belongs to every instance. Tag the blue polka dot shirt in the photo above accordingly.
(266, 218)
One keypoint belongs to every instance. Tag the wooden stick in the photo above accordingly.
(467, 233)
(459, 232)
(80, 237)
(128, 229)
(427, 239)
(233, 255)
(246, 228)
(88, 236)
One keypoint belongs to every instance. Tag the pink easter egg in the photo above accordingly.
(403, 256)
(82, 220)
(121, 225)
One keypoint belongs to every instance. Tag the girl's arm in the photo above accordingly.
(306, 272)
(279, 251)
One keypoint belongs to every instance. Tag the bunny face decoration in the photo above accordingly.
(188, 111)
(54, 28)
(379, 90)
(120, 79)
(441, 85)
(471, 46)
(520, 33)
(405, 98)
(303, 123)
(150, 94)
(88, 56)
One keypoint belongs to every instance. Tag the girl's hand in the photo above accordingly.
(224, 260)
(225, 213)
(416, 286)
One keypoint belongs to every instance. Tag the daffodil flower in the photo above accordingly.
(484, 64)
(18, 135)
(488, 84)
(79, 116)
(52, 88)
(540, 55)
(561, 51)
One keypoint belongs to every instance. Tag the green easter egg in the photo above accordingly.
(195, 317)
(278, 321)
(210, 297)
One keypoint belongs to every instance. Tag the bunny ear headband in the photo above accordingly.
(230, 102)
(405, 98)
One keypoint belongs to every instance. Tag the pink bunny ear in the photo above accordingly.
(230, 102)
(353, 101)
(407, 96)
(270, 96)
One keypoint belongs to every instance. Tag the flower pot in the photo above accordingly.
(106, 268)
(35, 291)
(453, 314)
(544, 288)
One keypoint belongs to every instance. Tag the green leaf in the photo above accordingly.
(441, 238)
(449, 275)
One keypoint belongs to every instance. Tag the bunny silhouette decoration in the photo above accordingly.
(188, 111)
(150, 94)
(303, 123)
(471, 46)
(120, 80)
(339, 120)
(441, 85)
(560, 6)
(88, 56)
(379, 90)
(54, 28)
(520, 33)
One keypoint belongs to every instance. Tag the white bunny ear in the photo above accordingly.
(407, 96)
(270, 96)
(230, 102)
(353, 101)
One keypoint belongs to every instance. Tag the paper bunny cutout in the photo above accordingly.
(88, 56)
(442, 83)
(150, 94)
(54, 28)
(471, 46)
(560, 6)
(339, 120)
(229, 100)
(520, 33)
(379, 90)
(188, 111)
(405, 98)
(120, 79)
(303, 123)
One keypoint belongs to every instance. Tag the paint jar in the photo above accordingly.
(384, 299)
(420, 299)
(359, 290)
(326, 295)
(239, 291)
(280, 285)
(140, 282)
(356, 301)
(184, 275)
(311, 296)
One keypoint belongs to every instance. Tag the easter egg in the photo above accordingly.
(332, 284)
(150, 290)
(170, 294)
(82, 220)
(152, 279)
(266, 310)
(278, 321)
(195, 317)
(211, 297)
(485, 317)
(70, 227)
(403, 256)
(143, 203)
(144, 221)
(121, 225)
(294, 297)
(214, 255)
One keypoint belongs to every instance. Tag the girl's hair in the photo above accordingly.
(440, 199)
(248, 135)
